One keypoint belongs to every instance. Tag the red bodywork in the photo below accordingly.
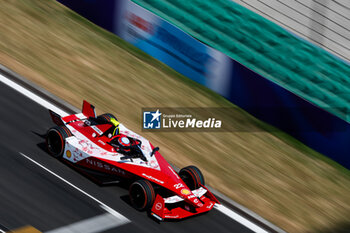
(89, 139)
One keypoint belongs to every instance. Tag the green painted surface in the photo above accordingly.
(264, 47)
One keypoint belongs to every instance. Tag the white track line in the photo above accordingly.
(1, 231)
(239, 218)
(32, 96)
(95, 224)
(117, 215)
(48, 105)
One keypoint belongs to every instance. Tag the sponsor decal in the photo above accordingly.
(151, 120)
(140, 23)
(191, 196)
(97, 129)
(84, 145)
(178, 185)
(153, 164)
(153, 178)
(185, 191)
(173, 199)
(209, 206)
(171, 216)
(158, 206)
(104, 166)
(69, 154)
(102, 142)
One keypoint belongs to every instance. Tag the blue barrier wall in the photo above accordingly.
(259, 96)
(101, 14)
(281, 108)
(160, 39)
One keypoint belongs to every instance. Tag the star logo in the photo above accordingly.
(151, 120)
(156, 115)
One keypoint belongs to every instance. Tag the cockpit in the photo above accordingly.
(130, 147)
(127, 146)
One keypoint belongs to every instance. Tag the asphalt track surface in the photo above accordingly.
(30, 195)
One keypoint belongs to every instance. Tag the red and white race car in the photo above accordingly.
(87, 141)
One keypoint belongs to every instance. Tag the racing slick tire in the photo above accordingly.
(192, 177)
(107, 117)
(141, 194)
(55, 140)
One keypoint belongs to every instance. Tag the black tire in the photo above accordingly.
(106, 117)
(192, 177)
(55, 140)
(141, 194)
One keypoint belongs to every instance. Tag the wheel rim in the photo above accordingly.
(186, 177)
(137, 195)
(54, 143)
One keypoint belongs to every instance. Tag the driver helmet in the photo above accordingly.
(116, 126)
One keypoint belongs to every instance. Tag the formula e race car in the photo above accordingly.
(92, 145)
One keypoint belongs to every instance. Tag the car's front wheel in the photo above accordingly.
(55, 140)
(141, 194)
(192, 177)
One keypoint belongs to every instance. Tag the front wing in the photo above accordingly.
(176, 208)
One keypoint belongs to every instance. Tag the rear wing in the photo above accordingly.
(88, 109)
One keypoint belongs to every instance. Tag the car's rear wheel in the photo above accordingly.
(141, 194)
(55, 140)
(106, 117)
(192, 177)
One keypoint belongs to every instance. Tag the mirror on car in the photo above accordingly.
(155, 149)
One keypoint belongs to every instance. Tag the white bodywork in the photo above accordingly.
(79, 147)
(173, 199)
